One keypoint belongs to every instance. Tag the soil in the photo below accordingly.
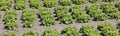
(40, 29)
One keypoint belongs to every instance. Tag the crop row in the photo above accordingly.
(105, 30)
(78, 2)
(63, 15)
(10, 20)
(29, 17)
(78, 14)
(46, 17)
(21, 4)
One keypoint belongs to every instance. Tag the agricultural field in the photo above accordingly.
(59, 17)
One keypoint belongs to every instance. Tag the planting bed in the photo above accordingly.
(59, 18)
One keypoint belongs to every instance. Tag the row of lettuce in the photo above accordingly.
(63, 14)
(104, 29)
(22, 4)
